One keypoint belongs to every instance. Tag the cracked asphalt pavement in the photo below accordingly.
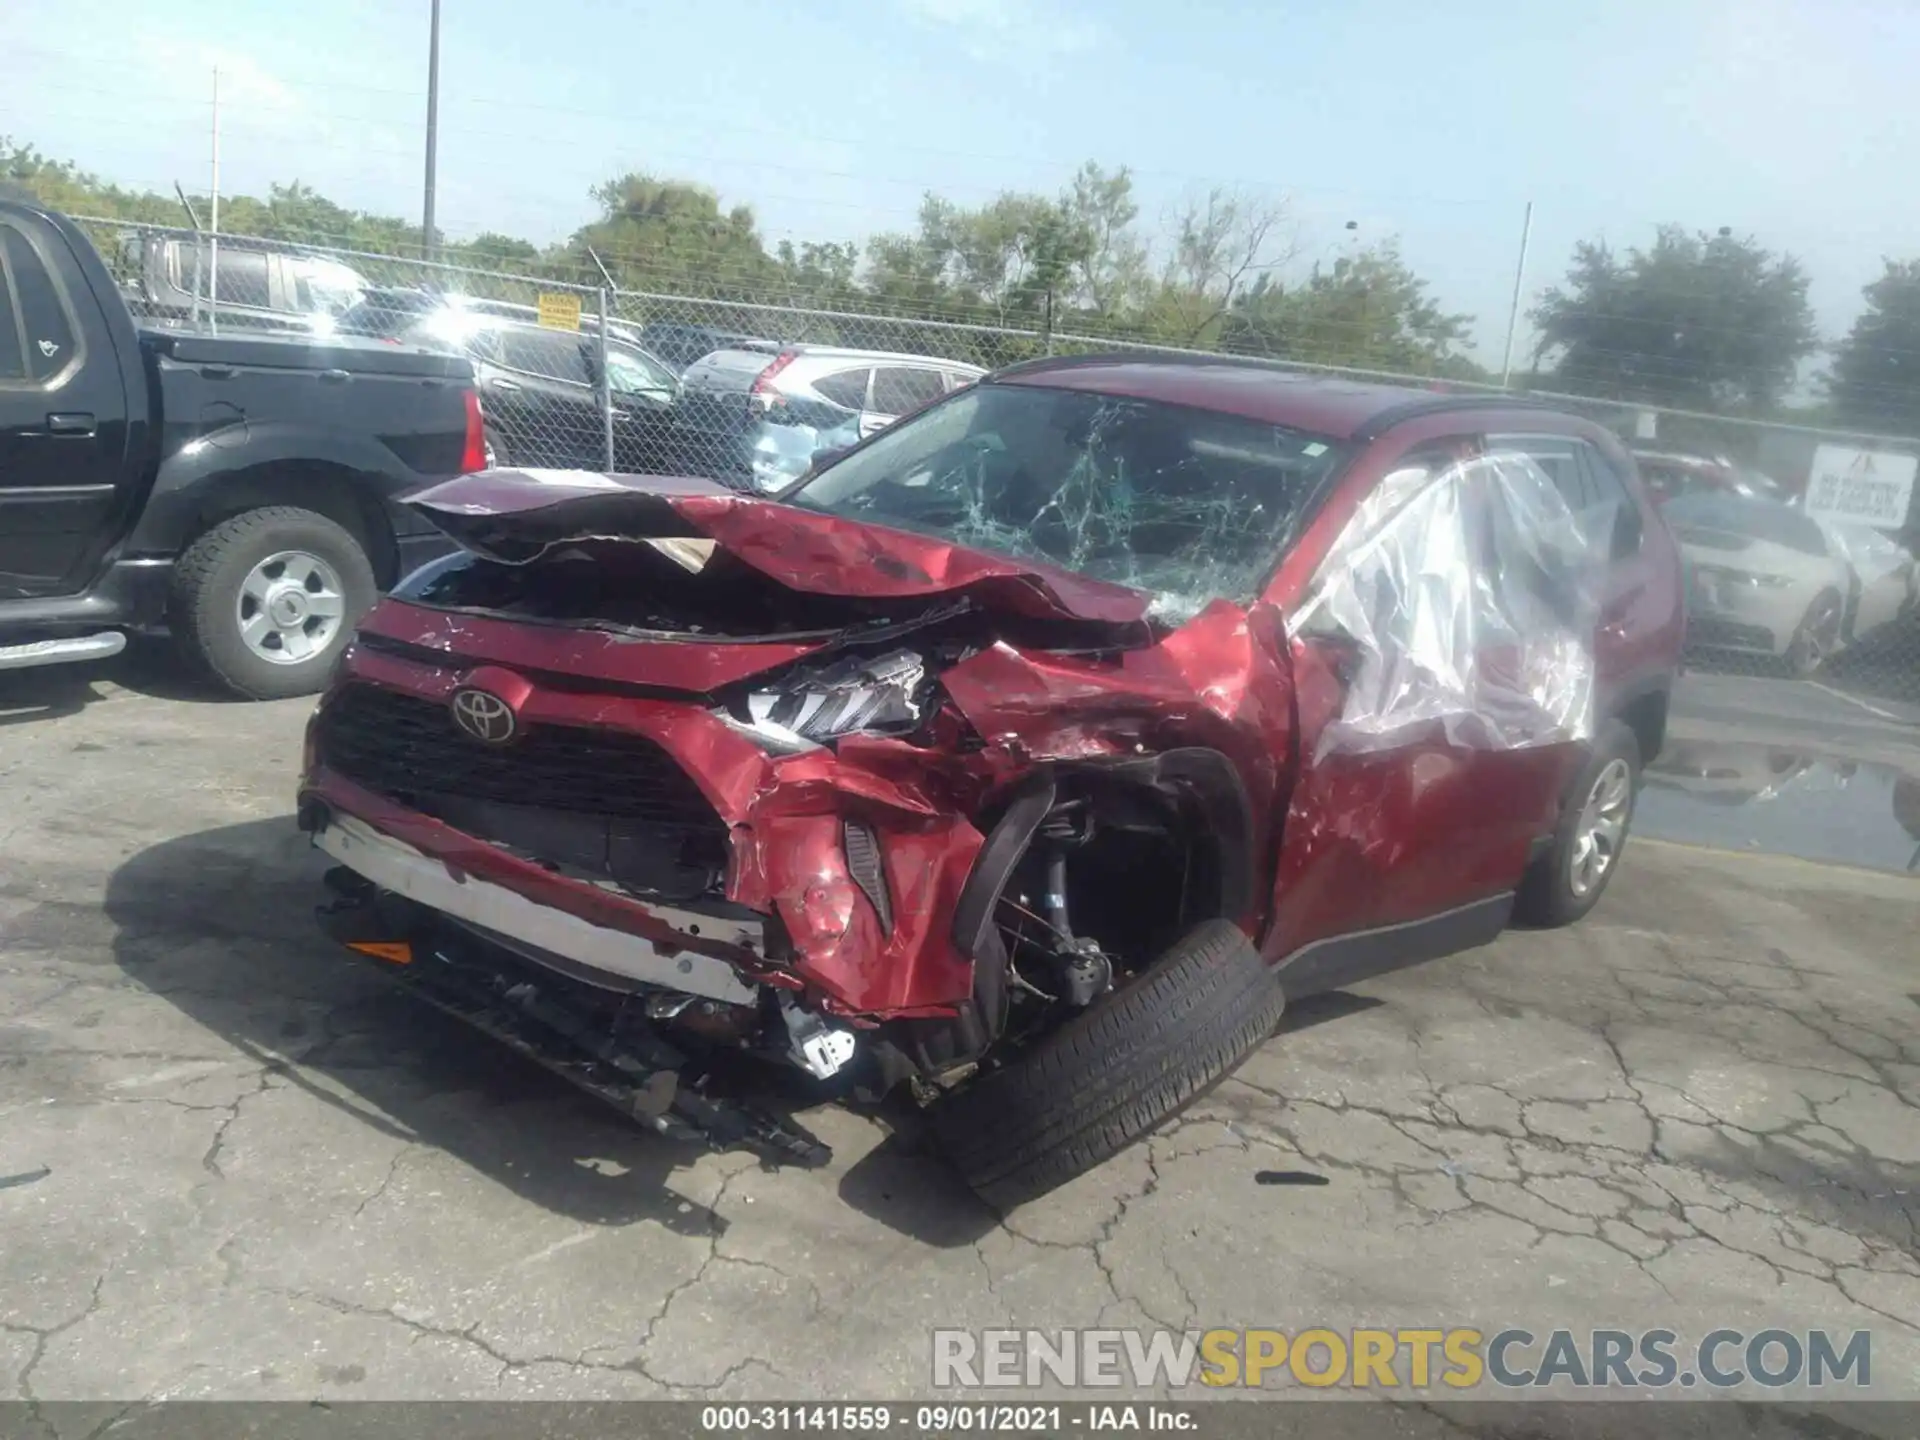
(235, 1165)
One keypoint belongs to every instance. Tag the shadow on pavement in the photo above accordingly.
(220, 925)
(146, 667)
(905, 1185)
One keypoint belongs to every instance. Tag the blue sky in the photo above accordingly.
(1791, 120)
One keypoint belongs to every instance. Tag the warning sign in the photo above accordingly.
(1868, 487)
(560, 311)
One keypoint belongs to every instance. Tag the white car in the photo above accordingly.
(757, 417)
(1764, 578)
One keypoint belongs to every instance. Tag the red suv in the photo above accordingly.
(1027, 753)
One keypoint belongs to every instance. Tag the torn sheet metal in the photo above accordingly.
(1464, 596)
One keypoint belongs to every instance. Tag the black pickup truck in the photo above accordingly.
(235, 490)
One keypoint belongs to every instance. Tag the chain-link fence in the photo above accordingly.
(1803, 591)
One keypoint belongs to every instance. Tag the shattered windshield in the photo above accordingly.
(1185, 504)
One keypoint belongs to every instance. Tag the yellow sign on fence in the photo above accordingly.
(560, 312)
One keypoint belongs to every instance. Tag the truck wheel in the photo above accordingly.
(1567, 881)
(265, 601)
(1113, 1072)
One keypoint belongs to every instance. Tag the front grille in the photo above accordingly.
(409, 750)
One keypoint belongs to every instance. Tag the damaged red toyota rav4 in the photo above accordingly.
(1025, 755)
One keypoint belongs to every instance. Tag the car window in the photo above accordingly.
(847, 387)
(1610, 509)
(13, 345)
(631, 373)
(1186, 504)
(240, 278)
(43, 335)
(1588, 483)
(325, 286)
(959, 380)
(902, 389)
(557, 356)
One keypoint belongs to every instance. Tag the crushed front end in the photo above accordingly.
(651, 774)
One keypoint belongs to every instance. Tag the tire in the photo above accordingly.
(1112, 1073)
(1817, 637)
(1551, 894)
(206, 608)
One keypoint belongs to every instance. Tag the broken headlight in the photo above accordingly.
(855, 696)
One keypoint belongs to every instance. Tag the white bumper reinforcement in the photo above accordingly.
(396, 866)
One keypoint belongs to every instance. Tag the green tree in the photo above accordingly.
(1221, 245)
(1697, 320)
(1875, 381)
(665, 234)
(64, 186)
(1367, 310)
(1108, 270)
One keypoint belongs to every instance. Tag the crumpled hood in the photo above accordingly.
(516, 515)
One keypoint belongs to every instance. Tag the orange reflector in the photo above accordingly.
(397, 952)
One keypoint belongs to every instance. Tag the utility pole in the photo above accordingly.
(213, 242)
(427, 247)
(1513, 311)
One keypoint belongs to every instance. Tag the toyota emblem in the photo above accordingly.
(484, 716)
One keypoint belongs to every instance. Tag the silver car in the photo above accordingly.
(1768, 579)
(757, 416)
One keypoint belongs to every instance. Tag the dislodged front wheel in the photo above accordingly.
(1109, 1075)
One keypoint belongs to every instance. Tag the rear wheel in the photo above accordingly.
(1818, 637)
(1109, 1075)
(1567, 881)
(266, 601)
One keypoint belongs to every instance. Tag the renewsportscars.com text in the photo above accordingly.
(1404, 1359)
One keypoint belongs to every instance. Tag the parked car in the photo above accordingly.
(681, 345)
(1669, 475)
(1767, 579)
(235, 490)
(1033, 751)
(393, 311)
(757, 418)
(542, 396)
(251, 285)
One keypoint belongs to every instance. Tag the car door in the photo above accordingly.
(642, 391)
(63, 420)
(900, 390)
(1404, 838)
(543, 400)
(1630, 645)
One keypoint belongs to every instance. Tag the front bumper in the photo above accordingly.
(400, 869)
(620, 1060)
(850, 862)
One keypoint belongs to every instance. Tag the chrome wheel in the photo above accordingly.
(291, 606)
(1817, 638)
(1602, 828)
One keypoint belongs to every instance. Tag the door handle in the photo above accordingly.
(77, 424)
(498, 384)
